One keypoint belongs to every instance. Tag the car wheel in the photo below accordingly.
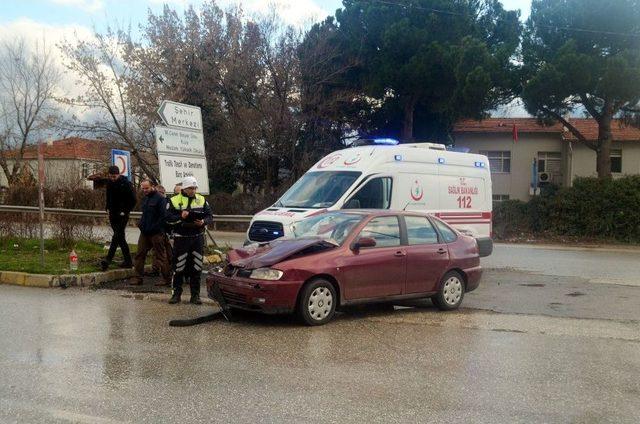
(450, 293)
(317, 302)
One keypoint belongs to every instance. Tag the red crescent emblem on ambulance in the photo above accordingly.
(328, 161)
(416, 191)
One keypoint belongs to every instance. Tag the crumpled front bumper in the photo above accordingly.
(271, 297)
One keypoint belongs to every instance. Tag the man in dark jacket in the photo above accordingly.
(152, 236)
(120, 201)
(189, 214)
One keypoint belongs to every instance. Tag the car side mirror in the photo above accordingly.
(364, 242)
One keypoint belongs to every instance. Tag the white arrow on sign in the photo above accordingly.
(180, 115)
(176, 141)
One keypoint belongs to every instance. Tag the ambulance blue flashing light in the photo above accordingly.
(441, 161)
(479, 164)
(386, 141)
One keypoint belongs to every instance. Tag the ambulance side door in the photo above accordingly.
(374, 193)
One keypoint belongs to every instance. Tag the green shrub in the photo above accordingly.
(604, 209)
(510, 219)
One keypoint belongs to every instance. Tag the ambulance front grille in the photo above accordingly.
(262, 231)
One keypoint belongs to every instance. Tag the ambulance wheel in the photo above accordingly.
(450, 293)
(317, 303)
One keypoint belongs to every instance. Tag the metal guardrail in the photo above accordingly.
(103, 214)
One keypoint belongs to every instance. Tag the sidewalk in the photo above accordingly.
(573, 246)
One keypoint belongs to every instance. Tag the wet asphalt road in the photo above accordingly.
(525, 347)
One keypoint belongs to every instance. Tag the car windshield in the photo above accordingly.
(332, 226)
(318, 190)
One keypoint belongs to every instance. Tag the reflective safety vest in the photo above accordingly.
(180, 202)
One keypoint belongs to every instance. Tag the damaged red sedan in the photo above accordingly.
(349, 257)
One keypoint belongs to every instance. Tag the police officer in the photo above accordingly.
(188, 213)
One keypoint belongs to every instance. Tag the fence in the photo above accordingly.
(103, 214)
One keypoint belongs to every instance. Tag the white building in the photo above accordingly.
(512, 145)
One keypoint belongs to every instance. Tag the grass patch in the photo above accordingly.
(23, 255)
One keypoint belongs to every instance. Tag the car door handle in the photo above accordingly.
(442, 251)
(400, 253)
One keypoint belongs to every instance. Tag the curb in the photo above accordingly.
(64, 280)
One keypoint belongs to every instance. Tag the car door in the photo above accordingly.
(427, 255)
(377, 271)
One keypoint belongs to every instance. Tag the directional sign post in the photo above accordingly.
(174, 168)
(180, 145)
(180, 115)
(177, 141)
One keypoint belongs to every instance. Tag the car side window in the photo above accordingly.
(385, 230)
(375, 194)
(447, 233)
(420, 230)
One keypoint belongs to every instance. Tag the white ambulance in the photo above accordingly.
(382, 174)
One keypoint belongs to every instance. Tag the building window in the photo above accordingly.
(616, 161)
(500, 197)
(550, 162)
(85, 170)
(499, 161)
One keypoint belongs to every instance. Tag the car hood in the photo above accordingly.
(276, 251)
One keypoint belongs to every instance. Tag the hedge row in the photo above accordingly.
(603, 209)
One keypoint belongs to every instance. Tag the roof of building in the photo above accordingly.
(588, 127)
(70, 148)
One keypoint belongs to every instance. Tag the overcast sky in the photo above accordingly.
(50, 21)
(60, 14)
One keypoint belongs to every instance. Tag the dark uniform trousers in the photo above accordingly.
(187, 262)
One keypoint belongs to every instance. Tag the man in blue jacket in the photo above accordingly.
(151, 225)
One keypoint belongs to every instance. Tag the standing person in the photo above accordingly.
(188, 213)
(167, 245)
(152, 223)
(177, 188)
(120, 201)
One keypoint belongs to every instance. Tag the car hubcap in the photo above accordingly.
(320, 303)
(452, 290)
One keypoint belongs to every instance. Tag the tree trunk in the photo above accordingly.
(603, 153)
(407, 120)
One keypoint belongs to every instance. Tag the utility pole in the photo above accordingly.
(41, 198)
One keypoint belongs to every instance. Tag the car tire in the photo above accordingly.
(450, 292)
(317, 303)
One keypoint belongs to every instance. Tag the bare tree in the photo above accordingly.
(99, 65)
(28, 81)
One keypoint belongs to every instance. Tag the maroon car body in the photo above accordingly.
(422, 253)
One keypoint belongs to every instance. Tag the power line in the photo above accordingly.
(450, 13)
(592, 31)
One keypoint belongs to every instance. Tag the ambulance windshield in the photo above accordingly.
(318, 189)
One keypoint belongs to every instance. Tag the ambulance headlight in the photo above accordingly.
(266, 274)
